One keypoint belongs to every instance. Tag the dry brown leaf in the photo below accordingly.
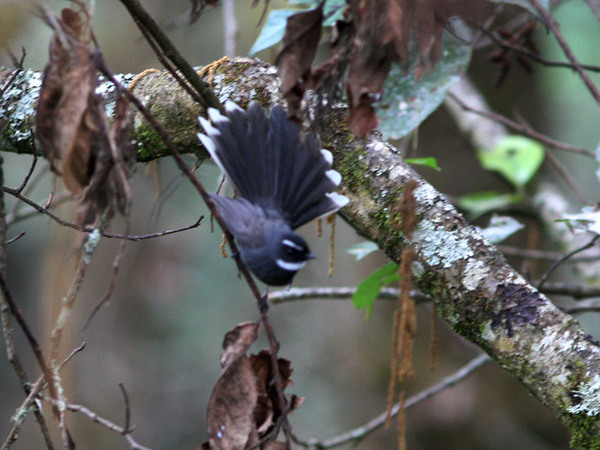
(376, 34)
(230, 418)
(72, 127)
(298, 50)
(268, 409)
(111, 156)
(237, 342)
(67, 114)
(384, 29)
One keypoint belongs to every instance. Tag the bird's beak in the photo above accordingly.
(311, 256)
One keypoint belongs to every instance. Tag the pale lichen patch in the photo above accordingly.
(589, 395)
(488, 332)
(17, 103)
(426, 194)
(440, 247)
(475, 273)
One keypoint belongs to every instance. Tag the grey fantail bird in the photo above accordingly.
(283, 180)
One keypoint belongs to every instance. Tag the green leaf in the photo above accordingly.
(428, 162)
(362, 249)
(368, 290)
(273, 30)
(500, 228)
(407, 102)
(480, 203)
(517, 158)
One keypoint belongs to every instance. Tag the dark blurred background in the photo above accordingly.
(176, 296)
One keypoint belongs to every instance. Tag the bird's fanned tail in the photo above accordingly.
(269, 163)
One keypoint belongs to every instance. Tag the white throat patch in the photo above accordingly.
(290, 266)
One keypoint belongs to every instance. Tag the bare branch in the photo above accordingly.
(358, 434)
(561, 260)
(555, 29)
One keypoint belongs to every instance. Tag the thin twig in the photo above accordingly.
(576, 291)
(558, 262)
(126, 425)
(141, 237)
(87, 229)
(344, 293)
(555, 29)
(66, 308)
(567, 178)
(335, 293)
(16, 312)
(582, 308)
(100, 420)
(6, 306)
(165, 62)
(30, 403)
(363, 431)
(115, 275)
(535, 56)
(143, 19)
(18, 69)
(16, 238)
(23, 411)
(594, 7)
(543, 255)
(523, 129)
(33, 164)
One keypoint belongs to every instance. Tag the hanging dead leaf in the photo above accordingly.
(237, 342)
(367, 41)
(383, 30)
(92, 156)
(298, 50)
(230, 418)
(68, 112)
(244, 407)
(111, 158)
(268, 409)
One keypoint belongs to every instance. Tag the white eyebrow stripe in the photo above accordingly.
(290, 266)
(291, 244)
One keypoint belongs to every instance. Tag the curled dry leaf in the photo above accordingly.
(68, 112)
(230, 418)
(112, 154)
(375, 34)
(268, 409)
(92, 156)
(298, 50)
(384, 29)
(244, 407)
